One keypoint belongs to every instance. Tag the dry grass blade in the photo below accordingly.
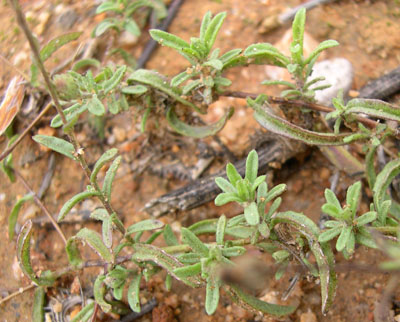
(11, 103)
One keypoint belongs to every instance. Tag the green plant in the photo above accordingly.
(289, 236)
(122, 11)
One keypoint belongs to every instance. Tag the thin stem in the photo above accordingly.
(40, 204)
(7, 151)
(20, 291)
(53, 93)
(298, 103)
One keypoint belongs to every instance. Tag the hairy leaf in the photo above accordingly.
(133, 293)
(374, 108)
(85, 314)
(93, 239)
(198, 132)
(12, 219)
(383, 179)
(99, 290)
(23, 251)
(220, 234)
(320, 48)
(56, 144)
(213, 28)
(57, 43)
(105, 157)
(144, 225)
(38, 305)
(109, 178)
(195, 243)
(252, 166)
(73, 201)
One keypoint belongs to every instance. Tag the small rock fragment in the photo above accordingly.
(308, 317)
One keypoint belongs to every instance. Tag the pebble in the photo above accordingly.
(338, 73)
(397, 318)
(67, 19)
(119, 133)
(126, 39)
(20, 58)
(308, 317)
(44, 18)
(172, 301)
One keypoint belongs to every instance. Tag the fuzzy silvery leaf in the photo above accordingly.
(134, 90)
(251, 214)
(12, 218)
(212, 294)
(131, 26)
(320, 48)
(243, 189)
(144, 225)
(94, 240)
(366, 218)
(264, 53)
(329, 234)
(57, 43)
(190, 270)
(233, 251)
(56, 144)
(195, 243)
(69, 113)
(204, 24)
(298, 29)
(274, 207)
(225, 185)
(252, 166)
(108, 6)
(109, 178)
(343, 238)
(114, 80)
(197, 131)
(133, 293)
(383, 179)
(275, 192)
(353, 197)
(38, 305)
(233, 174)
(169, 236)
(332, 199)
(99, 291)
(180, 78)
(103, 26)
(212, 29)
(73, 253)
(107, 156)
(24, 251)
(66, 208)
(215, 63)
(220, 234)
(169, 40)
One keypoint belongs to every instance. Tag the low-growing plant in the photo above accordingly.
(289, 236)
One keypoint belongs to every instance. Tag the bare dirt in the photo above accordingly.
(368, 32)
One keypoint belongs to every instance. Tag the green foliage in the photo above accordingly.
(121, 12)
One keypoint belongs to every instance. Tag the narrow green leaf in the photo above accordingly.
(12, 219)
(282, 127)
(73, 201)
(320, 48)
(213, 29)
(204, 24)
(114, 80)
(23, 251)
(329, 234)
(105, 157)
(370, 166)
(134, 90)
(198, 132)
(259, 180)
(225, 185)
(144, 225)
(73, 253)
(374, 108)
(353, 197)
(145, 252)
(332, 211)
(383, 179)
(251, 214)
(366, 218)
(298, 29)
(107, 232)
(109, 178)
(131, 26)
(255, 303)
(169, 40)
(332, 223)
(332, 199)
(133, 293)
(157, 81)
(279, 82)
(274, 207)
(69, 113)
(56, 144)
(187, 271)
(214, 63)
(212, 294)
(169, 236)
(103, 26)
(108, 6)
(343, 238)
(275, 192)
(229, 55)
(99, 214)
(264, 53)
(38, 305)
(252, 166)
(220, 234)
(195, 243)
(56, 43)
(95, 106)
(233, 251)
(99, 290)
(85, 314)
(180, 78)
(233, 174)
(93, 239)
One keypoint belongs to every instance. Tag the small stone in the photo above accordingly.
(119, 133)
(308, 317)
(338, 73)
(325, 174)
(172, 301)
(67, 19)
(126, 39)
(20, 58)
(44, 18)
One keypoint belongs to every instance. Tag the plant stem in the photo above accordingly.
(20, 291)
(298, 103)
(41, 205)
(53, 93)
